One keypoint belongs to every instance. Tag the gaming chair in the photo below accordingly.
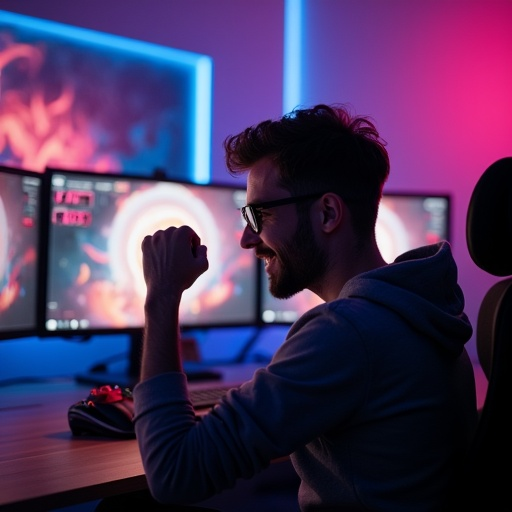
(485, 481)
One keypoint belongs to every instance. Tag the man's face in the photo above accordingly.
(293, 259)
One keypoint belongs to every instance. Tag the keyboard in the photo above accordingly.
(207, 397)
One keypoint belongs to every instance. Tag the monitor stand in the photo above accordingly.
(101, 376)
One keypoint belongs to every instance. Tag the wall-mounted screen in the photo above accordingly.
(79, 98)
(405, 221)
(93, 260)
(20, 194)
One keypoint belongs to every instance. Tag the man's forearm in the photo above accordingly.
(161, 339)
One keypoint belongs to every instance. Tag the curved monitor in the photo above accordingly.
(96, 222)
(20, 195)
(405, 221)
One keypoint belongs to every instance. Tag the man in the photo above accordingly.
(372, 393)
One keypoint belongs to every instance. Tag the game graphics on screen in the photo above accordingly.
(97, 224)
(19, 207)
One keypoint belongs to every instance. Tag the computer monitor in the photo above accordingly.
(405, 221)
(96, 222)
(20, 195)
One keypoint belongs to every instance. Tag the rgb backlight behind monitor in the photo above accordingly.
(96, 225)
(20, 193)
(405, 221)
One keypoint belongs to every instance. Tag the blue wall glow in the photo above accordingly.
(203, 115)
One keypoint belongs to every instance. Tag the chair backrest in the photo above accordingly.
(484, 482)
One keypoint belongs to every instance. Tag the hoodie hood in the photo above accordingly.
(420, 286)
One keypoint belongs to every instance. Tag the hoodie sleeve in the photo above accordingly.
(284, 406)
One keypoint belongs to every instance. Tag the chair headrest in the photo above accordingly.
(489, 219)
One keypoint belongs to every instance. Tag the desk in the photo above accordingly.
(43, 466)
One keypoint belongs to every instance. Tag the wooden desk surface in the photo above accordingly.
(43, 466)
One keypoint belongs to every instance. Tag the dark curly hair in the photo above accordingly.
(321, 149)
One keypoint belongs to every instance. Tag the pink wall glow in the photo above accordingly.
(436, 77)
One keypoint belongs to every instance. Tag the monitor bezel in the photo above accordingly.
(157, 177)
(33, 330)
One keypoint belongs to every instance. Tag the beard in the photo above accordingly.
(301, 263)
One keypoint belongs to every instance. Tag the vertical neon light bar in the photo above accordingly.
(293, 35)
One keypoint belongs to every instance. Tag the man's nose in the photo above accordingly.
(249, 238)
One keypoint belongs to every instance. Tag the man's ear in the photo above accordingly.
(332, 210)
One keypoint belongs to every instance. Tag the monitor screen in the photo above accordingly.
(20, 193)
(405, 221)
(96, 223)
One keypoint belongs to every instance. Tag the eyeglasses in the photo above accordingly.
(252, 212)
